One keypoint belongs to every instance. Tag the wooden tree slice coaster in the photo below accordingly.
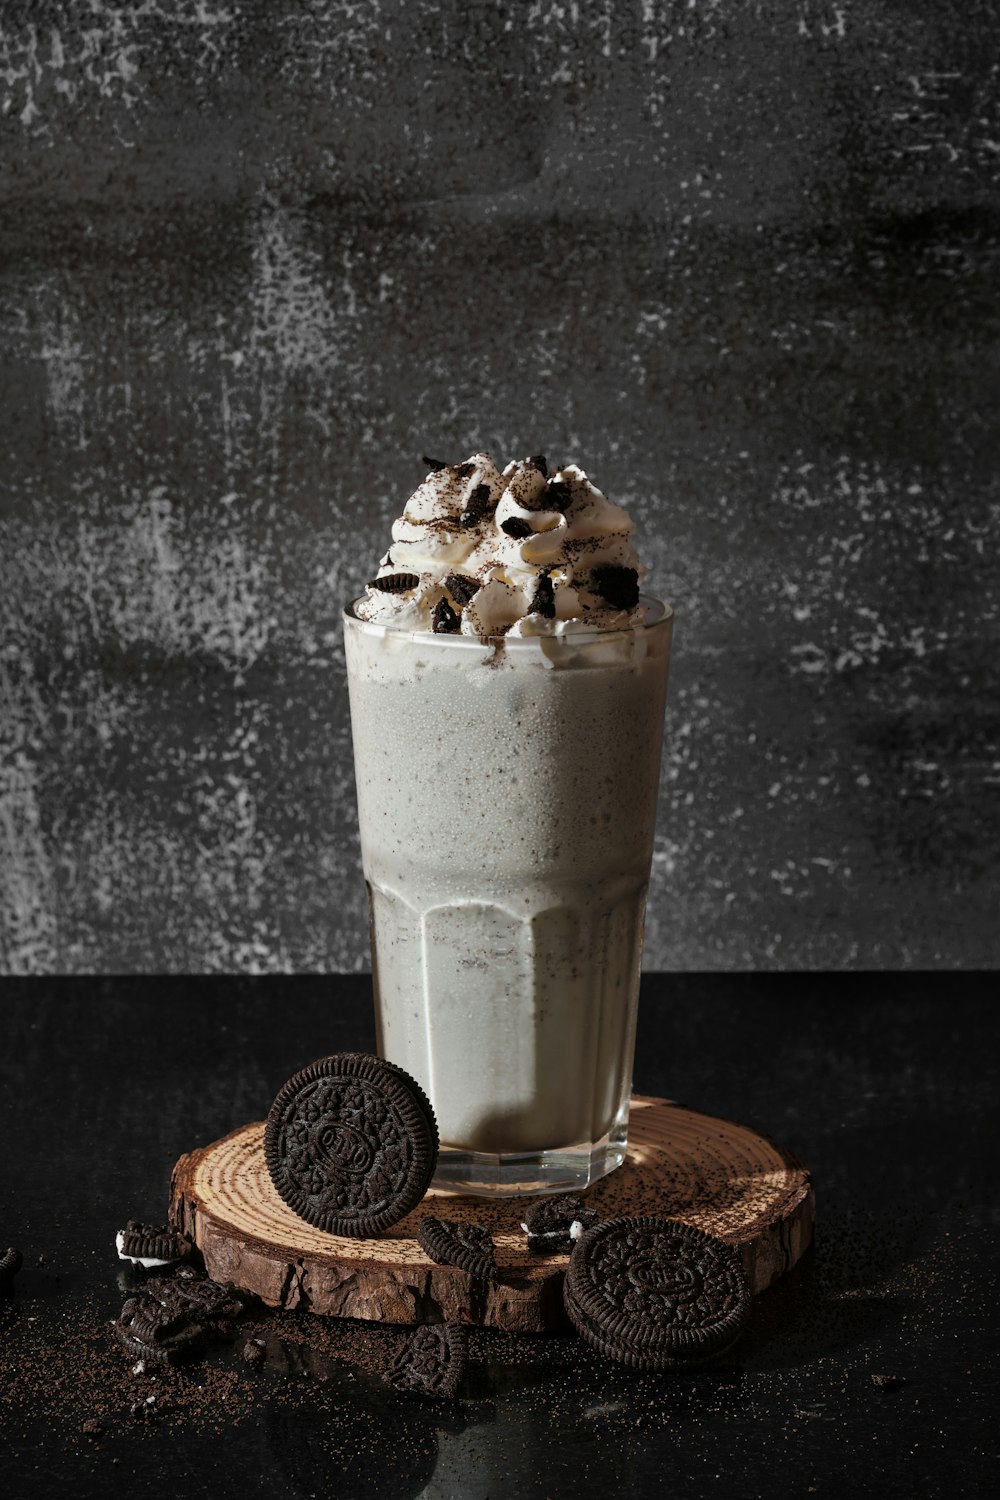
(725, 1178)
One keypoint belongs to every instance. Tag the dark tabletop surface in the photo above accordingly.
(866, 1370)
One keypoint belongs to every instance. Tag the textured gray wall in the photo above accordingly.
(737, 257)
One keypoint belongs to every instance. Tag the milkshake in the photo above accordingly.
(507, 685)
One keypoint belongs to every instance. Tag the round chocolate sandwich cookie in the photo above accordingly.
(656, 1294)
(149, 1245)
(555, 1224)
(431, 1360)
(468, 1246)
(351, 1144)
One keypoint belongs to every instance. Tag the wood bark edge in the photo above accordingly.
(680, 1163)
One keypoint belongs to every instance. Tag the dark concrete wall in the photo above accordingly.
(738, 257)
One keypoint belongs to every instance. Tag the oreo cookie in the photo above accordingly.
(544, 599)
(516, 527)
(395, 583)
(618, 587)
(555, 1224)
(150, 1245)
(214, 1303)
(478, 506)
(656, 1294)
(434, 464)
(144, 1329)
(10, 1263)
(445, 620)
(351, 1144)
(431, 1361)
(171, 1318)
(461, 588)
(557, 495)
(451, 1243)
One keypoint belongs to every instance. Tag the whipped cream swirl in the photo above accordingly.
(522, 552)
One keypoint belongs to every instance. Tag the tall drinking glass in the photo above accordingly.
(507, 800)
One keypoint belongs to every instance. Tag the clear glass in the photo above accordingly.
(507, 801)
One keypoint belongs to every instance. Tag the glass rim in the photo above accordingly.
(658, 613)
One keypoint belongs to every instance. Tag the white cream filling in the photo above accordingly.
(576, 1229)
(147, 1261)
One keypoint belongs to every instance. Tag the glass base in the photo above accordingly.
(569, 1169)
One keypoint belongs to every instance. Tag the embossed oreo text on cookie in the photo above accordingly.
(656, 1294)
(351, 1144)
